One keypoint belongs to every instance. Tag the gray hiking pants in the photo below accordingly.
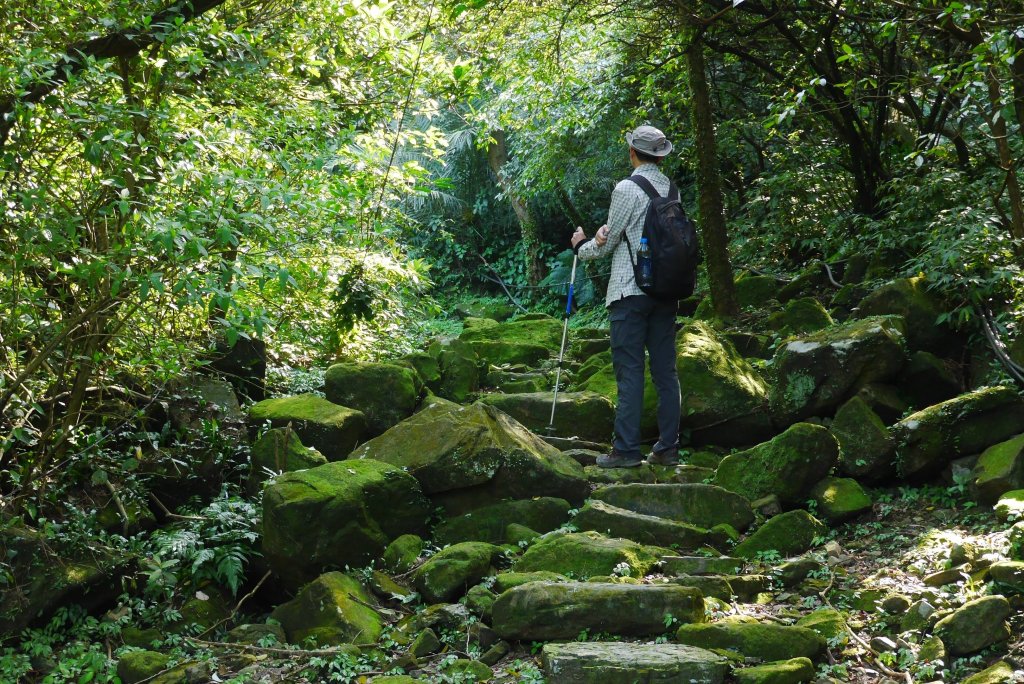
(640, 322)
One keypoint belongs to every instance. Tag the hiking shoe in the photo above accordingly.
(664, 457)
(617, 460)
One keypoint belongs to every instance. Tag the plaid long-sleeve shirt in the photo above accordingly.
(626, 214)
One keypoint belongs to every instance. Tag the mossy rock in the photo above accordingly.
(254, 634)
(495, 310)
(1008, 575)
(816, 373)
(828, 622)
(793, 671)
(814, 276)
(204, 609)
(480, 600)
(592, 365)
(427, 367)
(587, 415)
(140, 666)
(719, 385)
(974, 626)
(800, 316)
(840, 499)
(403, 552)
(395, 679)
(339, 514)
(386, 393)
(787, 466)
(1000, 673)
(920, 307)
(561, 610)
(929, 439)
(447, 574)
(697, 504)
(708, 585)
(789, 533)
(587, 554)
(866, 449)
(1010, 506)
(509, 580)
(641, 474)
(585, 348)
(756, 290)
(543, 331)
(331, 429)
(279, 450)
(466, 670)
(460, 369)
(1000, 469)
(766, 641)
(603, 382)
(466, 457)
(332, 609)
(488, 524)
(645, 529)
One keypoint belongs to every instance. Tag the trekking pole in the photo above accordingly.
(561, 352)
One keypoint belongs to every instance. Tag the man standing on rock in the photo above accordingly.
(637, 320)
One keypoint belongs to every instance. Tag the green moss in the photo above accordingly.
(587, 554)
(789, 533)
(508, 580)
(793, 671)
(447, 574)
(138, 666)
(470, 671)
(488, 524)
(999, 469)
(787, 466)
(828, 622)
(800, 316)
(542, 331)
(279, 450)
(840, 499)
(402, 553)
(386, 393)
(865, 447)
(329, 428)
(1000, 673)
(603, 382)
(333, 609)
(755, 640)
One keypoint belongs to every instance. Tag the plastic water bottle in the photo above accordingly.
(645, 268)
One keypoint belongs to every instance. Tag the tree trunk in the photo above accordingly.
(1006, 161)
(714, 234)
(497, 155)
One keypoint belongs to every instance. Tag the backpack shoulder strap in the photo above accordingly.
(645, 185)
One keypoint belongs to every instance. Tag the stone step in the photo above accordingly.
(645, 529)
(701, 565)
(698, 504)
(544, 611)
(626, 663)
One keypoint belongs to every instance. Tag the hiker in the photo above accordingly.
(637, 320)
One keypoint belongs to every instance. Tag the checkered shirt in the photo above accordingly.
(626, 215)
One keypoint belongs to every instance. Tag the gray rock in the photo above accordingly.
(701, 565)
(645, 529)
(698, 504)
(626, 663)
(587, 415)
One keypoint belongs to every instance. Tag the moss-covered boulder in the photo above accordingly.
(697, 504)
(840, 499)
(459, 367)
(332, 609)
(790, 534)
(800, 316)
(786, 466)
(866, 448)
(628, 663)
(793, 671)
(602, 381)
(279, 450)
(587, 554)
(403, 552)
(766, 641)
(466, 457)
(816, 373)
(828, 622)
(254, 633)
(700, 565)
(466, 670)
(524, 340)
(999, 469)
(592, 365)
(497, 310)
(920, 307)
(708, 585)
(1010, 506)
(427, 368)
(331, 429)
(386, 393)
(339, 514)
(561, 610)
(756, 290)
(717, 384)
(1008, 575)
(509, 580)
(975, 625)
(587, 415)
(141, 666)
(489, 524)
(1000, 673)
(645, 529)
(447, 574)
(969, 424)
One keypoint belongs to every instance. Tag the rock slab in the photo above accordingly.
(623, 663)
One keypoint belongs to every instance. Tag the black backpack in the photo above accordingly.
(672, 238)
